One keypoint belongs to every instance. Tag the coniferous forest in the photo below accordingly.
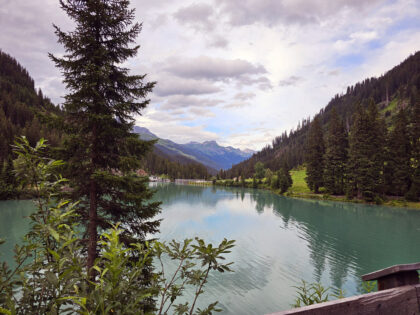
(85, 228)
(364, 144)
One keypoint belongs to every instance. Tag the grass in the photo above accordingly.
(301, 190)
(391, 106)
(299, 184)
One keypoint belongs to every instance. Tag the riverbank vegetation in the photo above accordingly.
(364, 145)
(88, 251)
(49, 276)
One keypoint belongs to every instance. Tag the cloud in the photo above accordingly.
(244, 96)
(291, 81)
(197, 15)
(237, 105)
(354, 40)
(219, 42)
(169, 85)
(213, 68)
(176, 132)
(274, 12)
(187, 101)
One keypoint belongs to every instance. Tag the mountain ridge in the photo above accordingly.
(208, 153)
(391, 91)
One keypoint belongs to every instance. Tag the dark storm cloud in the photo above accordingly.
(169, 85)
(272, 12)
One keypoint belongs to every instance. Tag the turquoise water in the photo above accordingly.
(279, 241)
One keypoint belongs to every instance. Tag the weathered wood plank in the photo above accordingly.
(401, 300)
(398, 280)
(390, 270)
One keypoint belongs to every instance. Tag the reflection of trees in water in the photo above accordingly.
(172, 193)
(351, 237)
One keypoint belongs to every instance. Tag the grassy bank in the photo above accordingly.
(300, 189)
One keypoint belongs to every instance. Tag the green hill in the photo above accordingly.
(20, 103)
(394, 90)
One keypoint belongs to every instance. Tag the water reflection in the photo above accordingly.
(282, 240)
(279, 240)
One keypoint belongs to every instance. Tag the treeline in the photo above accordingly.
(279, 181)
(154, 164)
(20, 106)
(370, 161)
(399, 85)
(25, 111)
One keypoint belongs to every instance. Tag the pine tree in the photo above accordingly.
(314, 156)
(335, 155)
(366, 158)
(284, 180)
(398, 169)
(414, 192)
(101, 150)
(259, 170)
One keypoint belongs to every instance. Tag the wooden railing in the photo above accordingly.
(399, 294)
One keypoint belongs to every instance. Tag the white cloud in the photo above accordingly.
(236, 71)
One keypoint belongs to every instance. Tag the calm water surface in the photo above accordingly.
(279, 241)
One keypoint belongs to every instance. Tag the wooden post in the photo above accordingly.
(395, 276)
(399, 293)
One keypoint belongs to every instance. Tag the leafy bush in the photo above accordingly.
(50, 275)
(313, 293)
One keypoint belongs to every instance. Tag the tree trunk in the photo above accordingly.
(92, 230)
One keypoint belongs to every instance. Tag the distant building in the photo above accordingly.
(141, 173)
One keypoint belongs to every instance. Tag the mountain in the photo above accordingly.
(20, 106)
(209, 153)
(395, 89)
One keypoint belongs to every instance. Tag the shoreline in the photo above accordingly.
(393, 203)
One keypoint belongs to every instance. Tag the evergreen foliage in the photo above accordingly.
(259, 170)
(284, 180)
(101, 150)
(314, 156)
(400, 85)
(398, 168)
(414, 191)
(49, 275)
(366, 156)
(20, 104)
(155, 164)
(8, 184)
(335, 158)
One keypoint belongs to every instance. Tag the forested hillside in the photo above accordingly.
(387, 106)
(21, 113)
(19, 105)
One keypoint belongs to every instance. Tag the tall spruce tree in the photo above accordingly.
(314, 156)
(101, 150)
(398, 170)
(414, 192)
(366, 158)
(335, 155)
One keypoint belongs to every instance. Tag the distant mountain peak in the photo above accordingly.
(210, 142)
(209, 153)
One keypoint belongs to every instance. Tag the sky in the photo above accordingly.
(239, 72)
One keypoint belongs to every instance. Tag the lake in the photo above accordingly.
(279, 241)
